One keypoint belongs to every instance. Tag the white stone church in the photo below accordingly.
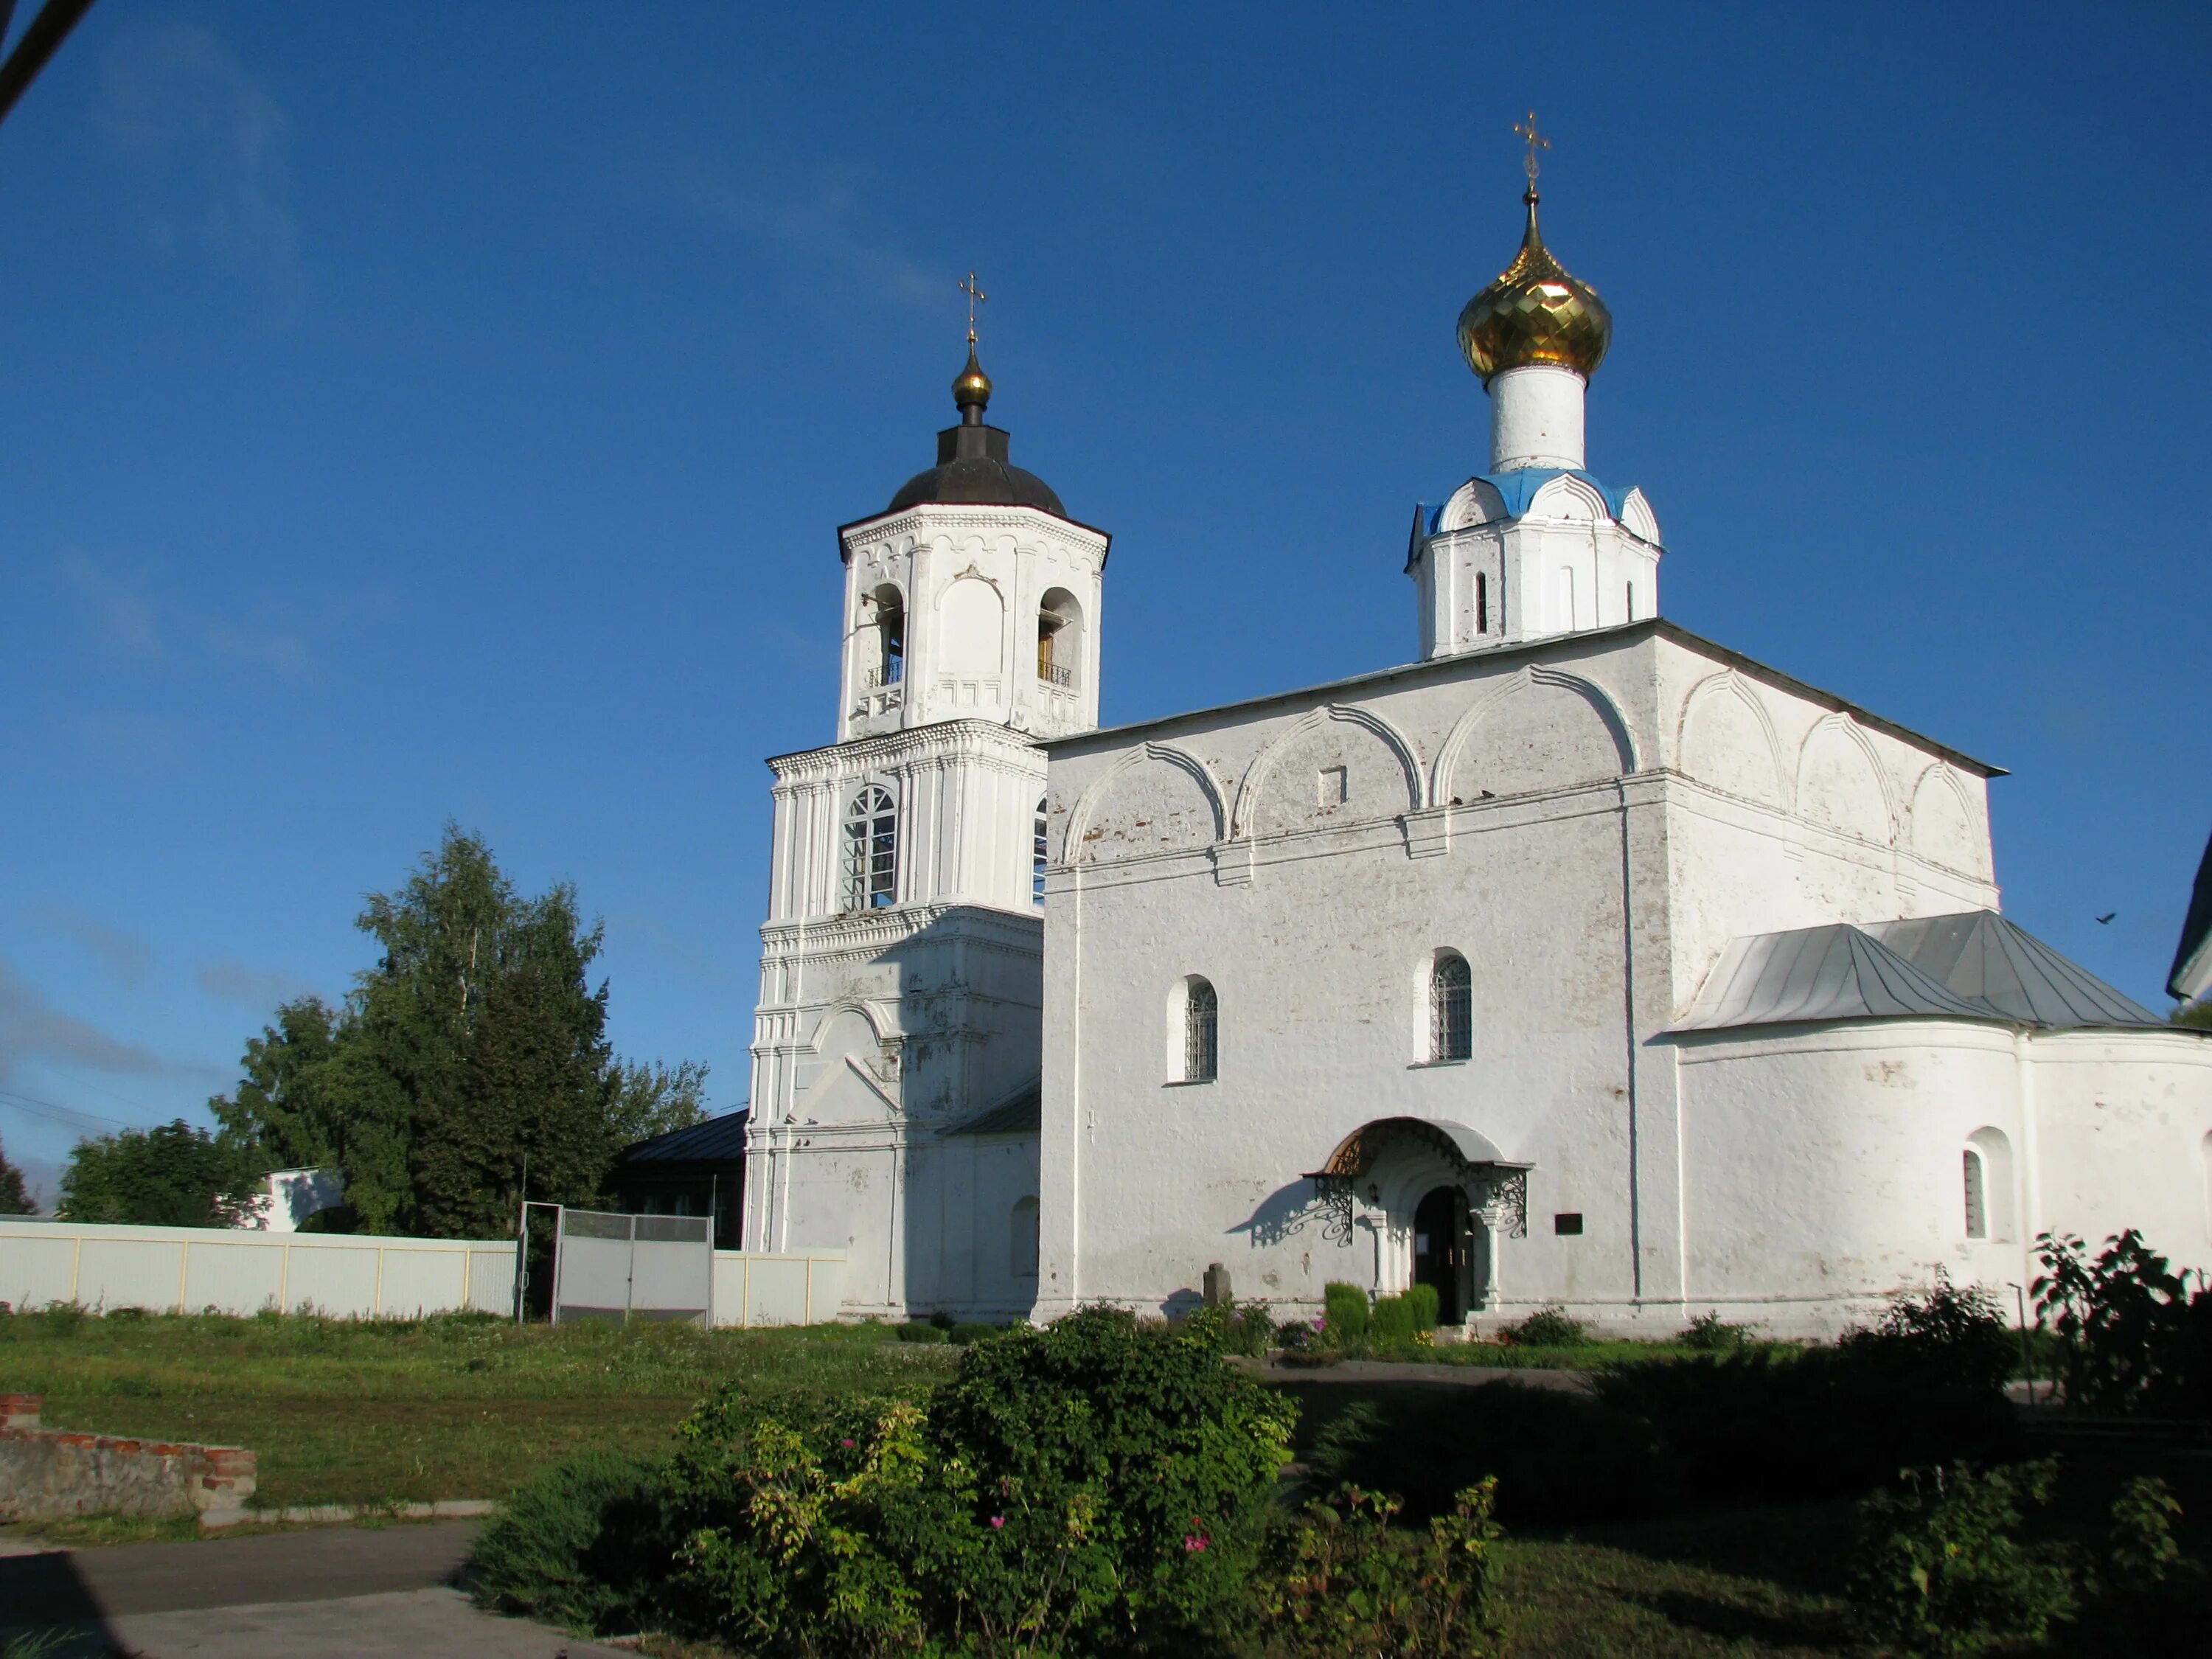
(1583, 961)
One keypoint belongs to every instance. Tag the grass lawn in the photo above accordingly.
(401, 1411)
(370, 1414)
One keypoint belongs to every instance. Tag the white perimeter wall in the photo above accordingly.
(189, 1269)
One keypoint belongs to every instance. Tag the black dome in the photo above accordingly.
(972, 471)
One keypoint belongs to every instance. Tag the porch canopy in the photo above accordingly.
(1474, 1155)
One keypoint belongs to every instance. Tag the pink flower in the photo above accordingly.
(844, 1443)
(998, 1519)
(1193, 1542)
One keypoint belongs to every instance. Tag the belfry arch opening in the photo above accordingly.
(889, 607)
(1059, 637)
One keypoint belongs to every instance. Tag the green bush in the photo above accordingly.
(1953, 1337)
(580, 1546)
(2132, 1335)
(1546, 1327)
(1391, 1323)
(1345, 1309)
(1938, 1572)
(1090, 1487)
(1422, 1299)
(922, 1333)
(1340, 1582)
(1556, 1456)
(968, 1331)
(1231, 1327)
(1710, 1334)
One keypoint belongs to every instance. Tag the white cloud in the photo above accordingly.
(255, 989)
(286, 655)
(31, 1029)
(821, 216)
(207, 150)
(122, 617)
(126, 955)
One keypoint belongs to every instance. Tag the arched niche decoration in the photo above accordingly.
(1726, 738)
(853, 1078)
(1841, 783)
(1942, 822)
(1154, 798)
(1536, 728)
(1473, 503)
(971, 628)
(1370, 767)
(1569, 498)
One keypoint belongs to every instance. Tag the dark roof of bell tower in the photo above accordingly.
(972, 471)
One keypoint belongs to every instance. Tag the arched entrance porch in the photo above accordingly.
(1436, 1196)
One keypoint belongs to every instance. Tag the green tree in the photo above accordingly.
(2197, 1014)
(13, 1199)
(649, 1100)
(474, 1048)
(170, 1176)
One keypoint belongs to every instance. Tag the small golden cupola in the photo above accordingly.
(1536, 312)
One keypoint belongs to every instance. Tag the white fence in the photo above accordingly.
(753, 1289)
(187, 1269)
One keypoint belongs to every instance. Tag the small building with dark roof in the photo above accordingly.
(700, 1170)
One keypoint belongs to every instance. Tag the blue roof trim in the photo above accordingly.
(1518, 488)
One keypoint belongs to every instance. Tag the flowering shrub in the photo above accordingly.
(1341, 1583)
(1086, 1488)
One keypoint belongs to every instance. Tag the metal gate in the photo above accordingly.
(616, 1266)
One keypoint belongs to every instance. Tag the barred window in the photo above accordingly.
(1201, 1031)
(1451, 1008)
(1977, 1212)
(1040, 838)
(871, 850)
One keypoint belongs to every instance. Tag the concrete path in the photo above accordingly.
(345, 1592)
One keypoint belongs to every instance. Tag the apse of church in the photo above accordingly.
(1579, 961)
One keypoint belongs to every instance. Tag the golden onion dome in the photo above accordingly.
(972, 386)
(1536, 313)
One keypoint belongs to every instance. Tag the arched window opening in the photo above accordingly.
(890, 637)
(1060, 636)
(1040, 847)
(1985, 1166)
(871, 850)
(1201, 1031)
(1022, 1238)
(1451, 1008)
(1481, 602)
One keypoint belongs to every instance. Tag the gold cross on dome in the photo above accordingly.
(1527, 131)
(976, 297)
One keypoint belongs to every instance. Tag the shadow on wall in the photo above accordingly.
(1284, 1214)
(942, 1225)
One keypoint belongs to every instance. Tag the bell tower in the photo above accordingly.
(897, 1039)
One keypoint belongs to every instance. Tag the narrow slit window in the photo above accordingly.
(1632, 602)
(871, 850)
(1040, 837)
(1201, 1033)
(1451, 1008)
(1977, 1212)
(1481, 602)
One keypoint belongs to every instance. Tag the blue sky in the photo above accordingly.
(417, 411)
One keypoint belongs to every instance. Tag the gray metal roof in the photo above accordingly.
(715, 1141)
(1974, 965)
(1980, 956)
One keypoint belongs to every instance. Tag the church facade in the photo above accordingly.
(1582, 962)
